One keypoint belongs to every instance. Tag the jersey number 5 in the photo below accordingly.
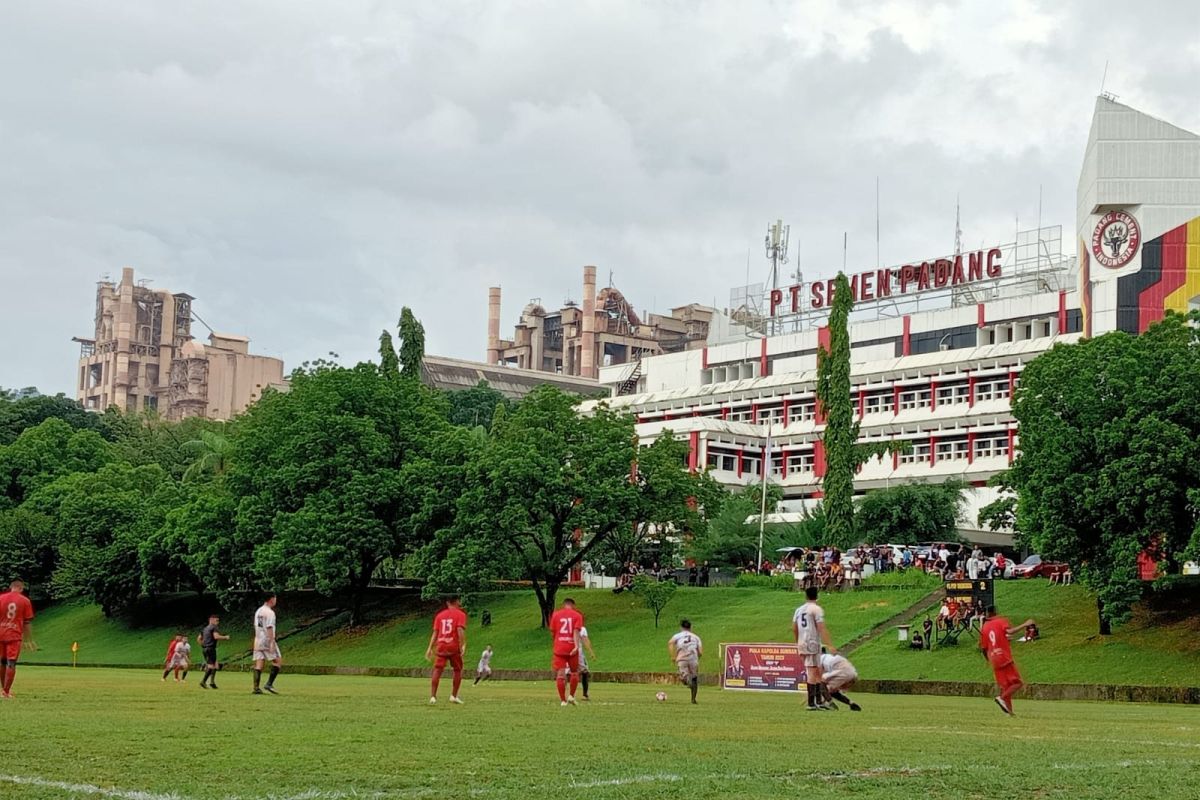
(804, 620)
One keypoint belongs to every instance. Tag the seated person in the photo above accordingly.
(917, 642)
(1031, 633)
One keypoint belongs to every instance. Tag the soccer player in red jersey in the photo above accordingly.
(565, 625)
(16, 613)
(449, 642)
(993, 642)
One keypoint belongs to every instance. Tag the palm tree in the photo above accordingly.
(212, 451)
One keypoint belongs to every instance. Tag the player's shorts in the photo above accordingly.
(811, 659)
(688, 668)
(179, 662)
(266, 653)
(10, 651)
(1007, 676)
(837, 679)
(209, 654)
(483, 669)
(454, 658)
(565, 662)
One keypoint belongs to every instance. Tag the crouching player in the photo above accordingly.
(839, 674)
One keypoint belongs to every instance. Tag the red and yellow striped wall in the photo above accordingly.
(1168, 280)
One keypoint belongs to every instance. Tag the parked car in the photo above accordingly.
(1035, 567)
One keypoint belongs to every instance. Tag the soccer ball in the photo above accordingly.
(661, 697)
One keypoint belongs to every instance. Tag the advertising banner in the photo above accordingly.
(769, 667)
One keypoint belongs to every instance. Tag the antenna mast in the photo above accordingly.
(776, 246)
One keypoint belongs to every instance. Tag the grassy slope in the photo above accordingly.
(342, 737)
(1159, 649)
(621, 629)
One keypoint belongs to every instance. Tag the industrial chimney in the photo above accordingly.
(493, 329)
(587, 356)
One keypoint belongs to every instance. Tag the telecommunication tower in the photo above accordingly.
(776, 245)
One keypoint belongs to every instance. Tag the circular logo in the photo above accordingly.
(1116, 239)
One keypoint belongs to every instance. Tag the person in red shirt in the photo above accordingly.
(993, 642)
(16, 614)
(449, 643)
(565, 625)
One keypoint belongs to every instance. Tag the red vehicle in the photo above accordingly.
(1035, 567)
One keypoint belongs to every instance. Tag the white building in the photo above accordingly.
(938, 346)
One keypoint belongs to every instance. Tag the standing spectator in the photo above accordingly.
(856, 568)
(704, 574)
(952, 559)
(927, 627)
(693, 575)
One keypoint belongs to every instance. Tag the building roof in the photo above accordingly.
(454, 374)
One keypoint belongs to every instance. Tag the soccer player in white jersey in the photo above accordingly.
(484, 670)
(808, 626)
(266, 648)
(585, 671)
(838, 674)
(686, 648)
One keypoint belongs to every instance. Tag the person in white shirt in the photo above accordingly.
(585, 672)
(686, 648)
(484, 670)
(808, 626)
(839, 674)
(181, 659)
(266, 647)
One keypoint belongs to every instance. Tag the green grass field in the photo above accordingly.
(122, 734)
(622, 630)
(1160, 646)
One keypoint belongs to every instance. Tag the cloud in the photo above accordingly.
(306, 170)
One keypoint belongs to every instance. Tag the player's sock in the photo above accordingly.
(9, 675)
(185, 674)
(574, 683)
(166, 672)
(434, 681)
(478, 678)
(272, 675)
(694, 684)
(457, 683)
(257, 677)
(585, 679)
(812, 695)
(561, 683)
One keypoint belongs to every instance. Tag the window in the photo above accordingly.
(919, 453)
(800, 462)
(740, 415)
(772, 414)
(878, 404)
(802, 412)
(991, 390)
(751, 465)
(952, 450)
(950, 395)
(917, 398)
(991, 446)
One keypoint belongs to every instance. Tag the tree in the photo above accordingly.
(42, 454)
(17, 416)
(911, 512)
(655, 594)
(671, 501)
(412, 345)
(843, 454)
(347, 469)
(211, 452)
(1001, 513)
(389, 362)
(1110, 449)
(548, 488)
(27, 549)
(103, 519)
(730, 539)
(476, 406)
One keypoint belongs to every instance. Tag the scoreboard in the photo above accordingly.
(974, 593)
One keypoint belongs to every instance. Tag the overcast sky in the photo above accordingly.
(307, 168)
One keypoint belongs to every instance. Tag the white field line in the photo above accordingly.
(662, 777)
(1034, 738)
(88, 789)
